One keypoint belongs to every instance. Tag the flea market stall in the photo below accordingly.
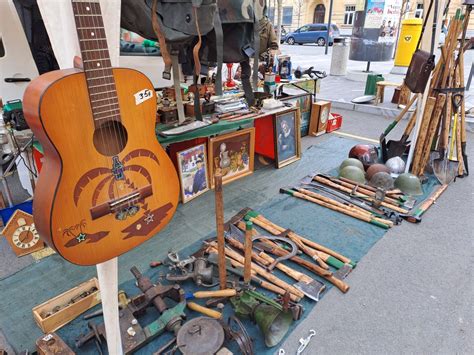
(204, 210)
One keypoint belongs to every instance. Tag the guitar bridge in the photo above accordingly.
(121, 203)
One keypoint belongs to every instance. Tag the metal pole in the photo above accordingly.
(329, 27)
(280, 15)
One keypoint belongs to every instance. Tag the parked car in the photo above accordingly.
(313, 33)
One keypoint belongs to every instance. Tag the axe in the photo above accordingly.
(335, 279)
(310, 287)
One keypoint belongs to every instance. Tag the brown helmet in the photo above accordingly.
(366, 153)
(376, 168)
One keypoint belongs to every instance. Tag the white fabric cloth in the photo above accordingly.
(58, 19)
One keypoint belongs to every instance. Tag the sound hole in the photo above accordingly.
(110, 138)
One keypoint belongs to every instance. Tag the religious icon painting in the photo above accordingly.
(287, 138)
(193, 177)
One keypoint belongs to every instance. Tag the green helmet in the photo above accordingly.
(409, 184)
(353, 173)
(351, 162)
(382, 179)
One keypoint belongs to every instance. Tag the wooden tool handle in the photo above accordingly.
(410, 124)
(405, 109)
(221, 293)
(220, 230)
(444, 138)
(204, 310)
(341, 285)
(336, 208)
(298, 276)
(248, 252)
(262, 272)
(267, 224)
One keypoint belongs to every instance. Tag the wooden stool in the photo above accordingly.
(381, 89)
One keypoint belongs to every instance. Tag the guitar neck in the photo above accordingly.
(96, 61)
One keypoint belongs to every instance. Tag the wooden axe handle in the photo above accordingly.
(328, 182)
(267, 225)
(298, 276)
(220, 293)
(265, 259)
(262, 272)
(204, 310)
(341, 285)
(262, 283)
(276, 231)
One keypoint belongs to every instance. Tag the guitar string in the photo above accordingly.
(111, 128)
(85, 22)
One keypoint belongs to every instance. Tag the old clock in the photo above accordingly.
(319, 117)
(21, 234)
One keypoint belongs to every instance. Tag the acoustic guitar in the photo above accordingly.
(106, 185)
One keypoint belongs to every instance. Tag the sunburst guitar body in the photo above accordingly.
(106, 184)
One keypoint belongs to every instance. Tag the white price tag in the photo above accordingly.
(143, 95)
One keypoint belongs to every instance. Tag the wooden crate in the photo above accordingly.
(56, 320)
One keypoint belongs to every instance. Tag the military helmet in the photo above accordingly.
(366, 153)
(351, 162)
(396, 165)
(376, 168)
(382, 179)
(409, 184)
(353, 173)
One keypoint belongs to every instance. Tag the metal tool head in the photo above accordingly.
(311, 290)
(239, 216)
(342, 273)
(445, 170)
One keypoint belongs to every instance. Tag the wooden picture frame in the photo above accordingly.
(193, 172)
(232, 154)
(287, 138)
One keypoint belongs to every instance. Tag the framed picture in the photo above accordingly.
(232, 155)
(287, 138)
(192, 169)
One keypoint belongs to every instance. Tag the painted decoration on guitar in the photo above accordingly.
(106, 185)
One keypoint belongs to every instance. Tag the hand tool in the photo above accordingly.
(262, 272)
(275, 229)
(383, 144)
(305, 341)
(204, 310)
(237, 233)
(123, 302)
(219, 205)
(311, 288)
(294, 243)
(467, 15)
(398, 148)
(326, 274)
(369, 197)
(358, 188)
(347, 206)
(345, 211)
(201, 274)
(248, 252)
(234, 267)
(425, 205)
(445, 169)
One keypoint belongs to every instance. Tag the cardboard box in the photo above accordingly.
(319, 116)
(334, 122)
(66, 313)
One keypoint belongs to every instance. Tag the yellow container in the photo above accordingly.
(409, 35)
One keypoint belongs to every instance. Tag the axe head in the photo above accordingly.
(238, 217)
(311, 290)
(342, 273)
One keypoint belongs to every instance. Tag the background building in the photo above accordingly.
(297, 13)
